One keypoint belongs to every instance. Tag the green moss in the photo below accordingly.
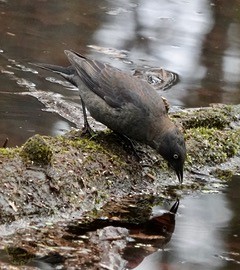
(222, 174)
(36, 150)
(102, 143)
(217, 117)
(8, 152)
(209, 146)
(87, 144)
(209, 137)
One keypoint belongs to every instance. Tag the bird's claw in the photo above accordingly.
(87, 130)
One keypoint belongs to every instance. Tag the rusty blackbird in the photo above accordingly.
(126, 105)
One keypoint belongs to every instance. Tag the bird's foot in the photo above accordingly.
(135, 152)
(131, 146)
(87, 130)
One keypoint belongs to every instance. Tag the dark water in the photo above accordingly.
(198, 39)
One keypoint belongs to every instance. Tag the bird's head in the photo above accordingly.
(171, 146)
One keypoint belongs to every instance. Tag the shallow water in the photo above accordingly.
(203, 235)
(206, 236)
(198, 40)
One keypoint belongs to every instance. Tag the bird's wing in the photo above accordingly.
(114, 86)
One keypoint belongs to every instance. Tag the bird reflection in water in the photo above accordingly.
(147, 232)
(150, 237)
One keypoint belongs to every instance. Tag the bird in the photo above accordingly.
(126, 104)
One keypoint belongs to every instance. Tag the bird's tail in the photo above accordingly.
(65, 72)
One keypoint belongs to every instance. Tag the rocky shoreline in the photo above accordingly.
(64, 177)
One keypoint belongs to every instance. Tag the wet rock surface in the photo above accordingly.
(103, 243)
(84, 206)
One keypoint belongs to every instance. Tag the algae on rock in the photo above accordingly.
(85, 172)
(37, 151)
(212, 134)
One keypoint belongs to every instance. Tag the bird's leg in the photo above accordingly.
(86, 127)
(131, 145)
(5, 143)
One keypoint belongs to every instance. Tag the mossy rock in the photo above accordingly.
(216, 117)
(209, 146)
(8, 152)
(36, 150)
(223, 174)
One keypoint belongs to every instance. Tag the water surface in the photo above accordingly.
(206, 236)
(198, 40)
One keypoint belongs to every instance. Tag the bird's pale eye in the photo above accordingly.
(175, 156)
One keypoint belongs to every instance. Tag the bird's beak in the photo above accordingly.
(179, 173)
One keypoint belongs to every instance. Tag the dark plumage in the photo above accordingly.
(126, 105)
